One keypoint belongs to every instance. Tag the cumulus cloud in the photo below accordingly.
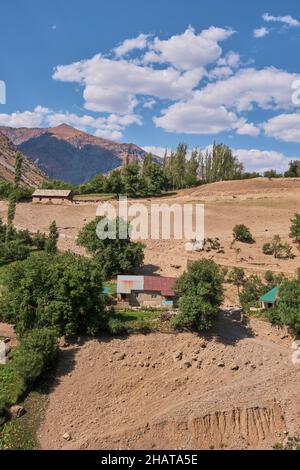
(263, 160)
(140, 42)
(261, 32)
(191, 118)
(189, 50)
(113, 85)
(284, 127)
(33, 118)
(111, 126)
(287, 19)
(218, 106)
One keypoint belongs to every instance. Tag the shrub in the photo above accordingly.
(278, 249)
(11, 387)
(295, 228)
(61, 291)
(36, 352)
(13, 250)
(201, 294)
(242, 233)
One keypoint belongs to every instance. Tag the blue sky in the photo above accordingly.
(158, 73)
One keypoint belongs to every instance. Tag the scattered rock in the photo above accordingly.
(178, 356)
(187, 364)
(67, 436)
(16, 411)
(221, 364)
(234, 367)
(199, 364)
(120, 357)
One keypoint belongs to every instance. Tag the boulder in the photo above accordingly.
(16, 411)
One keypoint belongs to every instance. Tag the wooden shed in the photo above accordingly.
(54, 196)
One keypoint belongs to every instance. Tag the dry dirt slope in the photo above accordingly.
(235, 389)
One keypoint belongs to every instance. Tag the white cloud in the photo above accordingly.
(158, 151)
(261, 32)
(188, 50)
(248, 129)
(284, 127)
(231, 59)
(191, 118)
(111, 126)
(263, 160)
(287, 19)
(112, 86)
(218, 107)
(33, 118)
(129, 45)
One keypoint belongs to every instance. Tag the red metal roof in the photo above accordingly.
(164, 285)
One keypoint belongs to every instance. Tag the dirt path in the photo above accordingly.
(236, 388)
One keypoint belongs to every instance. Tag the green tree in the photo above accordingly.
(153, 175)
(114, 182)
(115, 256)
(56, 291)
(295, 228)
(51, 242)
(192, 166)
(237, 277)
(294, 169)
(11, 212)
(252, 290)
(287, 311)
(18, 168)
(201, 294)
(133, 183)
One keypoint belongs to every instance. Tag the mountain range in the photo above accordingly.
(69, 154)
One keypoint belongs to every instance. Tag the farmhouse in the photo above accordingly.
(146, 291)
(268, 300)
(54, 196)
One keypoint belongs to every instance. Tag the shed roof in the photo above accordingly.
(52, 192)
(165, 285)
(270, 296)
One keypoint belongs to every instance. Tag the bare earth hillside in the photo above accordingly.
(234, 388)
(32, 175)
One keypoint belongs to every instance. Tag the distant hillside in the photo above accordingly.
(32, 174)
(69, 154)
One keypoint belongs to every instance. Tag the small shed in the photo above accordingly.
(268, 300)
(146, 291)
(52, 196)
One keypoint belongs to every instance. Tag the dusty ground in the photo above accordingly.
(148, 398)
(266, 206)
(236, 388)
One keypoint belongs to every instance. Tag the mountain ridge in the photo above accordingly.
(64, 152)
